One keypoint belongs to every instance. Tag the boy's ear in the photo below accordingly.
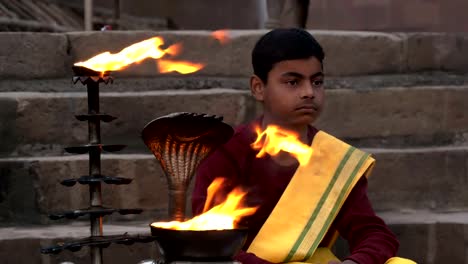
(257, 87)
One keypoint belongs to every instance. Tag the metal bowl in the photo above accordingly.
(205, 245)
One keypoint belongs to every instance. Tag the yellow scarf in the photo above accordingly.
(311, 201)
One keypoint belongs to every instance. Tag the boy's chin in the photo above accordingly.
(303, 120)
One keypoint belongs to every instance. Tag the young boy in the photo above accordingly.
(288, 80)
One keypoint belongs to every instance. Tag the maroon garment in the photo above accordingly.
(369, 239)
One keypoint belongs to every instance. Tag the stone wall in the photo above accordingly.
(389, 15)
(372, 15)
(196, 14)
(41, 56)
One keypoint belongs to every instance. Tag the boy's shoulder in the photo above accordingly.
(232, 154)
(241, 140)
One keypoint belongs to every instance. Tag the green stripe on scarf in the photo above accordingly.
(337, 205)
(319, 205)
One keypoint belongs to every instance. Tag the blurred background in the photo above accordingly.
(373, 15)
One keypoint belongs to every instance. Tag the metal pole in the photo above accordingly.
(95, 195)
(88, 15)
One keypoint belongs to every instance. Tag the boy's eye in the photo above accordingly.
(292, 82)
(317, 82)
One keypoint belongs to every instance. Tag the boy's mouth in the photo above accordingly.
(307, 107)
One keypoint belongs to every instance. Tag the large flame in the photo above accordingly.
(222, 216)
(150, 48)
(275, 139)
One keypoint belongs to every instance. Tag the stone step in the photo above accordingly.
(425, 236)
(34, 123)
(419, 178)
(44, 123)
(23, 244)
(31, 187)
(39, 55)
(190, 82)
(403, 179)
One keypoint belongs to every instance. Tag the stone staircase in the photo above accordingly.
(400, 96)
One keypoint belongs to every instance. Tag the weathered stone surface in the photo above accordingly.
(395, 111)
(18, 196)
(425, 237)
(197, 46)
(129, 84)
(33, 55)
(396, 15)
(457, 234)
(39, 55)
(402, 180)
(363, 52)
(231, 58)
(437, 51)
(8, 108)
(208, 14)
(354, 53)
(419, 178)
(347, 52)
(42, 123)
(32, 189)
(25, 250)
(240, 51)
(45, 121)
(430, 237)
(415, 240)
(22, 245)
(141, 84)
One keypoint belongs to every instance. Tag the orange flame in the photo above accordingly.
(183, 67)
(275, 139)
(221, 35)
(150, 48)
(222, 216)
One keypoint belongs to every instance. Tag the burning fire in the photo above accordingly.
(275, 139)
(222, 216)
(150, 48)
(183, 67)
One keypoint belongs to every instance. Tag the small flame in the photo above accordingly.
(222, 216)
(183, 67)
(275, 139)
(221, 35)
(150, 48)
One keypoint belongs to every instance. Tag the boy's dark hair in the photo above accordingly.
(283, 44)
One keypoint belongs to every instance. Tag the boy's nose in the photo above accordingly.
(308, 90)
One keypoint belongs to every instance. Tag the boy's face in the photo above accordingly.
(293, 95)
